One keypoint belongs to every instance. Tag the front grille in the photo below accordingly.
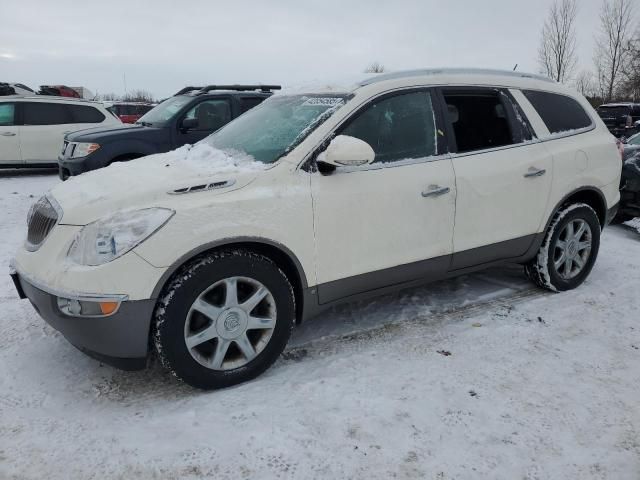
(40, 221)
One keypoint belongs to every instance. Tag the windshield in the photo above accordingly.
(277, 126)
(163, 112)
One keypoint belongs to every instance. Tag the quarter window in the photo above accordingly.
(559, 113)
(85, 114)
(7, 114)
(211, 114)
(479, 119)
(397, 128)
(36, 113)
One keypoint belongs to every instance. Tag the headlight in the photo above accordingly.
(109, 238)
(83, 149)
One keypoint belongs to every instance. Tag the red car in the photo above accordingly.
(58, 91)
(130, 112)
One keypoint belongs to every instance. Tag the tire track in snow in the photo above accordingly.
(333, 344)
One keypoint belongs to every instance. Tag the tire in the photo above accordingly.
(551, 270)
(199, 307)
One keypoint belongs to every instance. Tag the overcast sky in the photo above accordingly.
(163, 45)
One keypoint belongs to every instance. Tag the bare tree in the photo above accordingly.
(557, 52)
(139, 96)
(375, 67)
(631, 71)
(107, 97)
(585, 84)
(612, 44)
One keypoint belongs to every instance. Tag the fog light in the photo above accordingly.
(83, 308)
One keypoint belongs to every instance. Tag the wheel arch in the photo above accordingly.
(592, 196)
(284, 258)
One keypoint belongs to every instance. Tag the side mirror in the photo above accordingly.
(189, 124)
(346, 151)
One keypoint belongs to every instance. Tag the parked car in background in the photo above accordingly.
(58, 91)
(630, 180)
(620, 118)
(130, 112)
(189, 116)
(32, 128)
(631, 145)
(15, 89)
(210, 254)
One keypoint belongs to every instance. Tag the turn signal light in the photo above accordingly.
(107, 308)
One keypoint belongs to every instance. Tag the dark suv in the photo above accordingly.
(189, 116)
(620, 118)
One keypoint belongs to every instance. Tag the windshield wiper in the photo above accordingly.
(144, 124)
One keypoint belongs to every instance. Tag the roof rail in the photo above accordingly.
(263, 88)
(186, 89)
(452, 71)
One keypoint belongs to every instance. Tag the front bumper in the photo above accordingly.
(120, 339)
(68, 167)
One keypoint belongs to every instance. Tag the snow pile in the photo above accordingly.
(200, 159)
(156, 173)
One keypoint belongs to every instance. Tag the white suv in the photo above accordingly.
(32, 128)
(210, 254)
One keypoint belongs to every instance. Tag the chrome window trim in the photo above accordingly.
(397, 163)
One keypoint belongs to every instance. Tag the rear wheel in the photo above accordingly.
(224, 319)
(569, 249)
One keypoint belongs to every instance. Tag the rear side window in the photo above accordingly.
(7, 114)
(36, 113)
(397, 128)
(248, 103)
(560, 113)
(479, 118)
(85, 114)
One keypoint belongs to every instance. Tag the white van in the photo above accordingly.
(212, 253)
(32, 128)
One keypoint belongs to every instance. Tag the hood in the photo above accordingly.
(162, 180)
(116, 131)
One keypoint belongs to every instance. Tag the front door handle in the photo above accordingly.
(435, 191)
(8, 134)
(535, 172)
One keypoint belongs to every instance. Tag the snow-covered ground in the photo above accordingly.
(481, 377)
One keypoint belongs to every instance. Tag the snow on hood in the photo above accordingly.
(146, 181)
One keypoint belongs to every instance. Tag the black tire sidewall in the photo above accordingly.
(580, 213)
(204, 274)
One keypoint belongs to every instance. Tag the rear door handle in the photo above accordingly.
(8, 134)
(535, 172)
(435, 191)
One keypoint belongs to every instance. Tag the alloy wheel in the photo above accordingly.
(230, 323)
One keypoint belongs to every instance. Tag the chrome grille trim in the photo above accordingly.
(42, 217)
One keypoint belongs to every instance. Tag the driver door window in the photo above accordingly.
(211, 114)
(397, 128)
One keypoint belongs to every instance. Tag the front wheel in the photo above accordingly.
(224, 319)
(569, 249)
